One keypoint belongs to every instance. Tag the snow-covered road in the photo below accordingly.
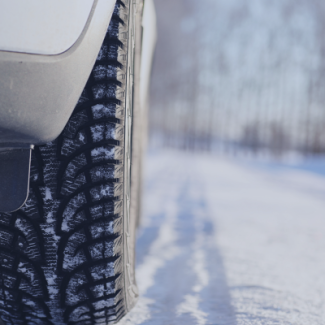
(226, 242)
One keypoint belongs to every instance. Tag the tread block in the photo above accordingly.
(61, 255)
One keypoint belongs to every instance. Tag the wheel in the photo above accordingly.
(67, 256)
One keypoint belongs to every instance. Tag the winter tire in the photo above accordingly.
(67, 256)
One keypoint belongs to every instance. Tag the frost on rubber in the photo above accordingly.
(61, 255)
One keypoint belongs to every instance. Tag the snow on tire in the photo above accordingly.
(62, 254)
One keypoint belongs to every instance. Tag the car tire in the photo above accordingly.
(67, 256)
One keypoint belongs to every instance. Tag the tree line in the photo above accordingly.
(239, 75)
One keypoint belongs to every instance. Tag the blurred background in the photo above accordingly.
(233, 205)
(240, 76)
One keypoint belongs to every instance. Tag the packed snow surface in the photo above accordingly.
(224, 241)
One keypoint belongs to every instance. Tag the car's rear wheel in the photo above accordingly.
(66, 257)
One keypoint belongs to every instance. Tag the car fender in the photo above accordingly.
(39, 92)
(41, 83)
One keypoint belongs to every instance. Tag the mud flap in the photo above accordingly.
(14, 178)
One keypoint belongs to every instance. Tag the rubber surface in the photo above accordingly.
(61, 255)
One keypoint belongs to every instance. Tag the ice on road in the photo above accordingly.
(226, 242)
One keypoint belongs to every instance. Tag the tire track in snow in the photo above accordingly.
(191, 302)
(180, 275)
(163, 249)
(209, 302)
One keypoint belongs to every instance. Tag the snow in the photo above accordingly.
(48, 195)
(103, 152)
(225, 241)
(191, 306)
(163, 249)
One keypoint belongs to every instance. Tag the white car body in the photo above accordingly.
(47, 51)
(47, 27)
